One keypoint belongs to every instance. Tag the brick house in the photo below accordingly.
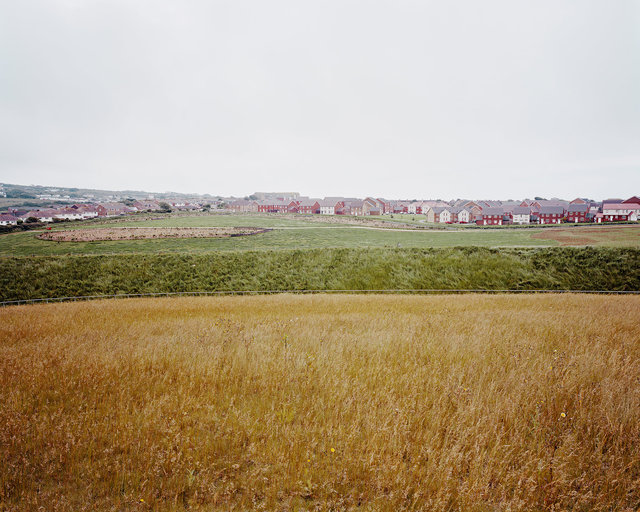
(551, 214)
(578, 212)
(491, 217)
(112, 209)
(308, 206)
(274, 206)
(244, 205)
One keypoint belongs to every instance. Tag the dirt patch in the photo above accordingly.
(586, 235)
(115, 234)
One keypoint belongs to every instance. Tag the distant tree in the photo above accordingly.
(129, 201)
(18, 194)
(31, 220)
(253, 197)
(539, 198)
(164, 207)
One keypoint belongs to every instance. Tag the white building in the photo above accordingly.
(521, 215)
(464, 216)
(8, 220)
(327, 207)
(445, 215)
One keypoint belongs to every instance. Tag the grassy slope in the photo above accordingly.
(386, 403)
(328, 269)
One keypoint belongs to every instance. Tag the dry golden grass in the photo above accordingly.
(476, 403)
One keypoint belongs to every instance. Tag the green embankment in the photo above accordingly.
(327, 269)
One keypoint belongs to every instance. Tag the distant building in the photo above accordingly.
(521, 215)
(578, 212)
(6, 219)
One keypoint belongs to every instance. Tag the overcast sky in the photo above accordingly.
(401, 99)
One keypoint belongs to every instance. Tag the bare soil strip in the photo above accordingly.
(114, 234)
(592, 235)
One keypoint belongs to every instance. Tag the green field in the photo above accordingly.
(23, 244)
(288, 233)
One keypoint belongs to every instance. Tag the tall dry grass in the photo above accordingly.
(474, 403)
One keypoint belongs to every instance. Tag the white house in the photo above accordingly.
(618, 211)
(327, 207)
(41, 215)
(521, 215)
(413, 207)
(69, 214)
(446, 215)
(8, 220)
(464, 215)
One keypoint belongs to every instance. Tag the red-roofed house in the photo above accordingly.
(615, 212)
(577, 212)
(7, 219)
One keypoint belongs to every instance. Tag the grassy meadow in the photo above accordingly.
(475, 403)
(283, 238)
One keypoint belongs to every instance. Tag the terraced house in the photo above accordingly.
(521, 215)
(578, 212)
(612, 212)
(492, 217)
(551, 214)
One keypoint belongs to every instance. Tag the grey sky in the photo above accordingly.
(425, 99)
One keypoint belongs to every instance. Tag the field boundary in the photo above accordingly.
(302, 292)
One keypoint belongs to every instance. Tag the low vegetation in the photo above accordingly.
(389, 403)
(323, 269)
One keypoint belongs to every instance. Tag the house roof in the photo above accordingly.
(621, 206)
(492, 211)
(328, 202)
(521, 210)
(552, 210)
(309, 202)
(6, 216)
(273, 202)
(578, 207)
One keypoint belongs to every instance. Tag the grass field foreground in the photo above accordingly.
(322, 402)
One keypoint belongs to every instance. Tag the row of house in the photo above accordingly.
(83, 211)
(485, 213)
(481, 212)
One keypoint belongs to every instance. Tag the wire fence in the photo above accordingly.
(425, 291)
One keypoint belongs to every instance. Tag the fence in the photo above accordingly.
(302, 292)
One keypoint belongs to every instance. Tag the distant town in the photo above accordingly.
(30, 204)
